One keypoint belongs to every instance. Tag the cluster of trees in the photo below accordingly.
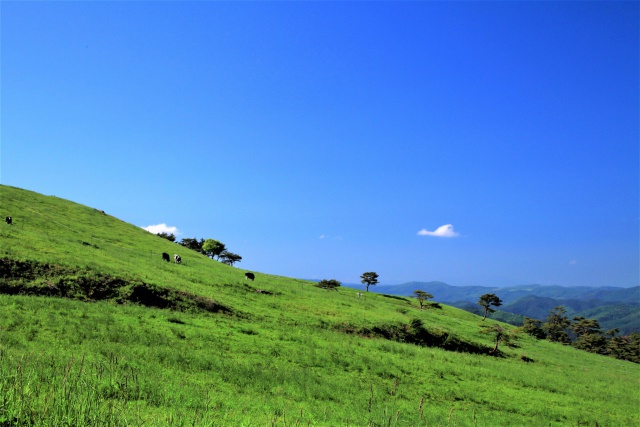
(330, 284)
(209, 247)
(369, 278)
(584, 334)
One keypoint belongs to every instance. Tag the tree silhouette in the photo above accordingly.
(486, 301)
(501, 335)
(369, 278)
(556, 324)
(213, 248)
(331, 284)
(422, 297)
(229, 258)
(169, 236)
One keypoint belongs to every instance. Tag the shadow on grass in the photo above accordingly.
(33, 278)
(416, 333)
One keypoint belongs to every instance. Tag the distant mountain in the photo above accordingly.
(447, 293)
(613, 307)
(625, 317)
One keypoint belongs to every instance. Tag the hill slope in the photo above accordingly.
(612, 307)
(97, 330)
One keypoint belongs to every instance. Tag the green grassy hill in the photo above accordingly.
(95, 329)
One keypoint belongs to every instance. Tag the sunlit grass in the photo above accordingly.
(279, 357)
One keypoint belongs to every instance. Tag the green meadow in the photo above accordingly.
(97, 330)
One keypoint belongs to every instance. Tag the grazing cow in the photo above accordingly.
(8, 220)
(166, 257)
(249, 276)
(177, 259)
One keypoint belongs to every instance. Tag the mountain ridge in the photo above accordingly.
(535, 301)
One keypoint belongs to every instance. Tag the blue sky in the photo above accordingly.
(476, 143)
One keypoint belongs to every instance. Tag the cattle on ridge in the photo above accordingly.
(166, 257)
(8, 220)
(249, 276)
(177, 258)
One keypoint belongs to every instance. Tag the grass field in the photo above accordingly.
(95, 329)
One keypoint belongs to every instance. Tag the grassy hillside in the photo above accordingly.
(95, 329)
(612, 307)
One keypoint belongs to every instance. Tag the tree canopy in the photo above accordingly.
(369, 278)
(213, 248)
(500, 335)
(422, 297)
(169, 236)
(488, 300)
(556, 325)
(331, 284)
(229, 258)
(192, 243)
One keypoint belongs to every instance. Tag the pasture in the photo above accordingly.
(96, 329)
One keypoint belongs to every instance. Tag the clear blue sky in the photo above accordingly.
(476, 143)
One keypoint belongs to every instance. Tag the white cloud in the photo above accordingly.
(443, 231)
(322, 236)
(162, 228)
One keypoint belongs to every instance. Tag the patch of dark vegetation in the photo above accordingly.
(396, 297)
(250, 289)
(90, 244)
(415, 333)
(38, 279)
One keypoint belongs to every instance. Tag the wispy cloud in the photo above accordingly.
(162, 228)
(442, 231)
(325, 237)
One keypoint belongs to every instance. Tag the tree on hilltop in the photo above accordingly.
(331, 284)
(369, 278)
(213, 248)
(169, 236)
(422, 297)
(192, 244)
(486, 301)
(229, 258)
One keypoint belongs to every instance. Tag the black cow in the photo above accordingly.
(177, 259)
(249, 276)
(166, 257)
(8, 220)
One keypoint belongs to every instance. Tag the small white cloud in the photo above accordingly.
(322, 236)
(573, 262)
(443, 231)
(162, 228)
